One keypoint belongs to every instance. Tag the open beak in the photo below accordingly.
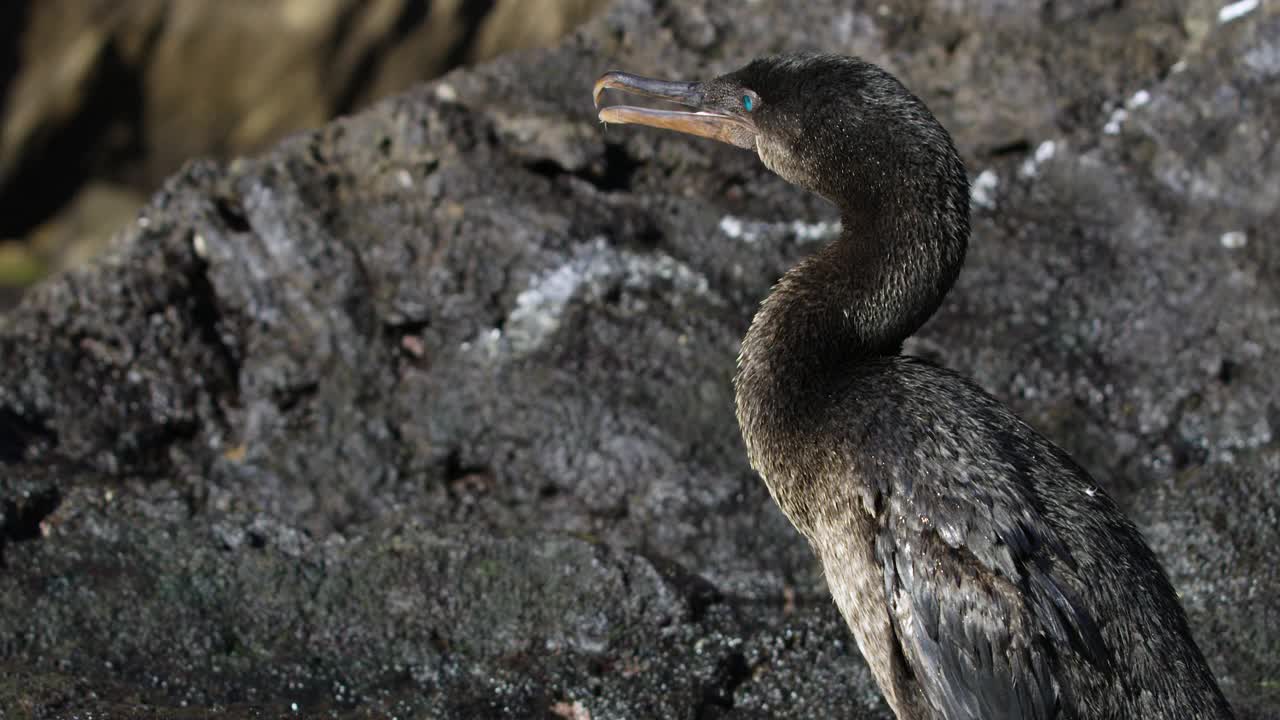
(726, 128)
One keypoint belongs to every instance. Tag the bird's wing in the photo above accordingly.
(973, 571)
(981, 648)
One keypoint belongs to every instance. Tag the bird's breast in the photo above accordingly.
(846, 548)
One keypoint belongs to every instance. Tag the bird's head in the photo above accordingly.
(835, 125)
(849, 131)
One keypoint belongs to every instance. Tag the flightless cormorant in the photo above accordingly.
(982, 571)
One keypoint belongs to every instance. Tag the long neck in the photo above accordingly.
(849, 304)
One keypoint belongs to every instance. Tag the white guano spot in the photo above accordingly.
(983, 191)
(1043, 154)
(1045, 151)
(732, 227)
(810, 232)
(1234, 240)
(539, 307)
(1236, 10)
(752, 231)
(1116, 121)
(445, 92)
(594, 271)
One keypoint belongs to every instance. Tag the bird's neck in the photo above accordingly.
(850, 304)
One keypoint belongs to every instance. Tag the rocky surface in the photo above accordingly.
(428, 413)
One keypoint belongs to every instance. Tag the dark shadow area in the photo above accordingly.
(21, 518)
(412, 16)
(13, 20)
(106, 132)
(471, 15)
(18, 433)
(613, 175)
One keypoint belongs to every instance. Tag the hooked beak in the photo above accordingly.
(726, 128)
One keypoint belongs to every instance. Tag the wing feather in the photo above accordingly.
(975, 576)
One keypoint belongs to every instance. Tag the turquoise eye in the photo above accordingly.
(747, 102)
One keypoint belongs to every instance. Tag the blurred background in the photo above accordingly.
(101, 100)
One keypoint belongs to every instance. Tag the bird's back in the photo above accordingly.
(983, 572)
